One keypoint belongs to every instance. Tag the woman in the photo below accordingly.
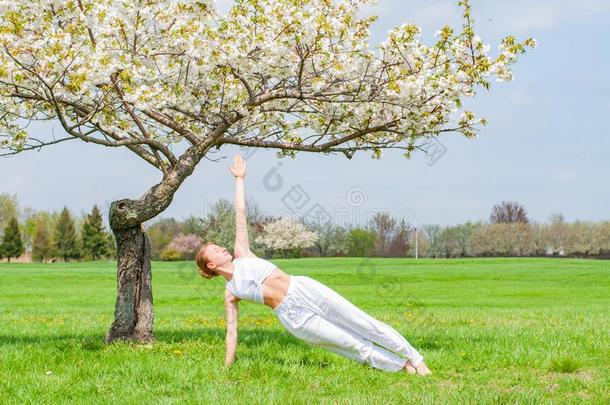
(307, 308)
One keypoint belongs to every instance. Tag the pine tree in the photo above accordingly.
(94, 240)
(12, 246)
(66, 242)
(41, 243)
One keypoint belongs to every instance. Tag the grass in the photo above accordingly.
(492, 331)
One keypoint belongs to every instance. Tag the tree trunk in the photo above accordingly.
(133, 314)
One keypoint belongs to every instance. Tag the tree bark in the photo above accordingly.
(133, 314)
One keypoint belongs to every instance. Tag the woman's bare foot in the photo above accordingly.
(410, 369)
(420, 369)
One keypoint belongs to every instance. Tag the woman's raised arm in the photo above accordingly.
(242, 243)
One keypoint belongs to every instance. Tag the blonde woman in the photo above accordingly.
(308, 309)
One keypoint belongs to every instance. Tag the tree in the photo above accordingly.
(9, 208)
(539, 242)
(332, 239)
(93, 235)
(391, 237)
(219, 224)
(454, 241)
(585, 241)
(432, 233)
(66, 242)
(603, 237)
(293, 76)
(361, 242)
(160, 234)
(193, 225)
(508, 213)
(287, 236)
(111, 245)
(41, 242)
(558, 233)
(12, 245)
(31, 218)
(502, 239)
(399, 242)
(383, 225)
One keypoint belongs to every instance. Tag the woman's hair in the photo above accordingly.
(202, 263)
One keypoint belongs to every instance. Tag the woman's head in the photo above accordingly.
(209, 257)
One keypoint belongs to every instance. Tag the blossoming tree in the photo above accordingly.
(291, 75)
(286, 234)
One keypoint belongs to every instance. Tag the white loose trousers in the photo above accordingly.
(320, 316)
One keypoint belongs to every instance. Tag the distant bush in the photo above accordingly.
(171, 255)
(182, 247)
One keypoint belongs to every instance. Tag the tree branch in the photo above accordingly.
(37, 146)
(139, 124)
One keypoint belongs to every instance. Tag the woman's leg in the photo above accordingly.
(320, 332)
(341, 312)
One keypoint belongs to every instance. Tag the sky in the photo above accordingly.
(545, 146)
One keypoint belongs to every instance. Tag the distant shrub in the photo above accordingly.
(171, 255)
(185, 246)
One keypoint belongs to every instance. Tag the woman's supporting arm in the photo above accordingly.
(231, 306)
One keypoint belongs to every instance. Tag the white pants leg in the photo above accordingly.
(320, 316)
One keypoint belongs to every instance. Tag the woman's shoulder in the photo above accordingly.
(253, 259)
(248, 255)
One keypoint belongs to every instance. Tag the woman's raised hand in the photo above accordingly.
(239, 166)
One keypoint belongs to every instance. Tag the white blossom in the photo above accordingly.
(287, 233)
(271, 69)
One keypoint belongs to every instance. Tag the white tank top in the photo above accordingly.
(248, 276)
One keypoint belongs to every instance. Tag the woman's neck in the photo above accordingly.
(226, 271)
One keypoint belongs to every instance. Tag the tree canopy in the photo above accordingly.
(144, 75)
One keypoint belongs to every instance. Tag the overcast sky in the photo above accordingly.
(546, 144)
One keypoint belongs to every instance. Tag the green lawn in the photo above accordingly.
(491, 330)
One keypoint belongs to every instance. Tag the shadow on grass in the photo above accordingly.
(95, 341)
(250, 336)
(53, 340)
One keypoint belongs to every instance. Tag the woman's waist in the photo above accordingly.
(297, 295)
(277, 278)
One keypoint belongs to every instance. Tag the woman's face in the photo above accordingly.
(217, 255)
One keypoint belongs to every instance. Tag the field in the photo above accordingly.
(491, 330)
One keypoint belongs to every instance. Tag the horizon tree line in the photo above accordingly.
(508, 232)
(51, 236)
